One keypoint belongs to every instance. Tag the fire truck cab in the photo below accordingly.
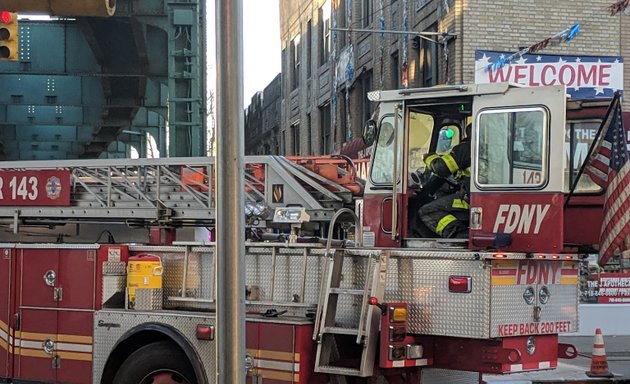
(517, 167)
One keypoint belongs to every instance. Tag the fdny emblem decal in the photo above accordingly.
(53, 187)
(523, 219)
(278, 193)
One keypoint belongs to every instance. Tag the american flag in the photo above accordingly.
(609, 167)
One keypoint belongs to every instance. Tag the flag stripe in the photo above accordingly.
(616, 208)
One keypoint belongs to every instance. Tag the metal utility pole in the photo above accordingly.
(230, 247)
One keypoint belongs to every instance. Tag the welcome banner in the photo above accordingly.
(586, 77)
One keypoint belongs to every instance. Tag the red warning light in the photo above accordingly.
(6, 17)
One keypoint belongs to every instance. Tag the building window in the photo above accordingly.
(324, 33)
(429, 61)
(421, 3)
(366, 105)
(285, 58)
(367, 13)
(342, 21)
(309, 43)
(326, 129)
(295, 62)
(309, 144)
(395, 71)
(341, 124)
(295, 135)
(283, 143)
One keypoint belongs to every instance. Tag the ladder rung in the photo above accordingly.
(338, 370)
(345, 291)
(341, 331)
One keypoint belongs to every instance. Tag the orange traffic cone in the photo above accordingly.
(599, 362)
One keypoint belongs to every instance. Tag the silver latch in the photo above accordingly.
(537, 313)
(56, 362)
(543, 295)
(50, 277)
(57, 294)
(529, 295)
(475, 218)
(49, 346)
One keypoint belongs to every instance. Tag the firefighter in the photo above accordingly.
(447, 216)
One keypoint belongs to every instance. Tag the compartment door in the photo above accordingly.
(37, 274)
(6, 305)
(518, 177)
(75, 317)
(56, 308)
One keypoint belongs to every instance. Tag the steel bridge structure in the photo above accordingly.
(92, 87)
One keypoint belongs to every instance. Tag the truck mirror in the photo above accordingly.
(369, 132)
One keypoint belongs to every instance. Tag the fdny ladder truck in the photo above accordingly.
(334, 293)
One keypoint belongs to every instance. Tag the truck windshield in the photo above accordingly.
(511, 148)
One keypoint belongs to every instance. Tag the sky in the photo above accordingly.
(261, 46)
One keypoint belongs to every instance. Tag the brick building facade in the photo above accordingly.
(319, 54)
(262, 121)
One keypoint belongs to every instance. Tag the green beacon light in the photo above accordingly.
(449, 133)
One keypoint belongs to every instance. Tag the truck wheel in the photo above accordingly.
(156, 363)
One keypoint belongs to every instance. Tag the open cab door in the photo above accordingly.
(516, 195)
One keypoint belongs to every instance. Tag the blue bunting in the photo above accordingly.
(566, 35)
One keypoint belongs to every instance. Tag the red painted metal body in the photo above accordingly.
(394, 337)
(581, 210)
(497, 356)
(377, 217)
(39, 188)
(7, 303)
(507, 355)
(534, 221)
(53, 315)
(283, 351)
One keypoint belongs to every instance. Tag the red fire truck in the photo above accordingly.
(333, 292)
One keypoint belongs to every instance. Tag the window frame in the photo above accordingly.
(401, 128)
(545, 165)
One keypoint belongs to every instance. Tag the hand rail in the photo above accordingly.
(326, 280)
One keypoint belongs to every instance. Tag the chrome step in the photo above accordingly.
(338, 370)
(341, 331)
(346, 291)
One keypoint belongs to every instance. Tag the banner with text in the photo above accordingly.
(586, 77)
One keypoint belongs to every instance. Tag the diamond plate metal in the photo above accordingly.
(148, 299)
(288, 276)
(433, 310)
(508, 306)
(186, 323)
(114, 285)
(292, 281)
(114, 268)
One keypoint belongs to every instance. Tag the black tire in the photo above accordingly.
(161, 357)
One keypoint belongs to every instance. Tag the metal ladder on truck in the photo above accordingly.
(350, 348)
(160, 192)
